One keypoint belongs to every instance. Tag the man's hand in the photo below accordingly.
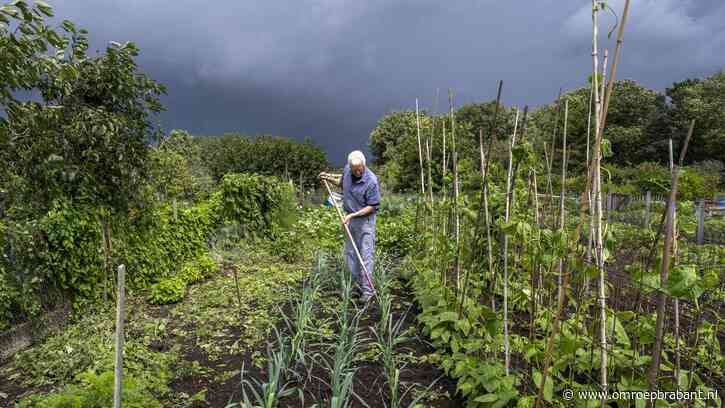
(332, 178)
(347, 218)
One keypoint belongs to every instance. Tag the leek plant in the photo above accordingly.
(267, 394)
(349, 343)
(386, 342)
(301, 321)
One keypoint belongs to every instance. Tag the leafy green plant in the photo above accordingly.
(168, 290)
(96, 391)
(259, 204)
(267, 394)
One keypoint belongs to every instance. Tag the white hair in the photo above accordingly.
(355, 158)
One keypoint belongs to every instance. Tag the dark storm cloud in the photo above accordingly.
(328, 69)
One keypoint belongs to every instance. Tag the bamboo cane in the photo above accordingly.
(596, 194)
(537, 219)
(428, 148)
(563, 189)
(549, 159)
(615, 63)
(590, 238)
(604, 77)
(506, 347)
(484, 196)
(677, 301)
(455, 191)
(443, 171)
(420, 150)
(665, 267)
(349, 236)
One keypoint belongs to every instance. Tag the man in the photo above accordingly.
(361, 198)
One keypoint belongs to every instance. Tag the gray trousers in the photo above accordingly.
(362, 230)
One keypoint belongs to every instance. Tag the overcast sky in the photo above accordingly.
(329, 69)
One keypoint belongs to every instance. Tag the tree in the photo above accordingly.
(630, 116)
(87, 139)
(391, 130)
(266, 155)
(82, 143)
(704, 101)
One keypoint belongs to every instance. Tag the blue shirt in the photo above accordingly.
(359, 193)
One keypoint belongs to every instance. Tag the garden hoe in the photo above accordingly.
(349, 236)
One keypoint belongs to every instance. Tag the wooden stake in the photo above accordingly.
(120, 316)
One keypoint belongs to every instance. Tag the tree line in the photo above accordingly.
(640, 123)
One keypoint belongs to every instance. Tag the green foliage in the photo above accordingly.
(702, 100)
(8, 297)
(174, 241)
(96, 391)
(172, 289)
(394, 142)
(168, 290)
(394, 128)
(259, 204)
(87, 345)
(63, 252)
(639, 123)
(266, 155)
(396, 232)
(89, 131)
(73, 259)
(694, 181)
(21, 66)
(177, 169)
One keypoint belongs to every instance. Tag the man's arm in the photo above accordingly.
(335, 179)
(372, 198)
(360, 213)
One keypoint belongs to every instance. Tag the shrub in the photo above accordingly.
(8, 297)
(96, 391)
(172, 289)
(174, 241)
(168, 290)
(206, 265)
(258, 204)
(396, 234)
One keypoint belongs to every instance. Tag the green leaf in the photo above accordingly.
(486, 398)
(44, 8)
(683, 282)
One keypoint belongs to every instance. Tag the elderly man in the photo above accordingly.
(361, 197)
